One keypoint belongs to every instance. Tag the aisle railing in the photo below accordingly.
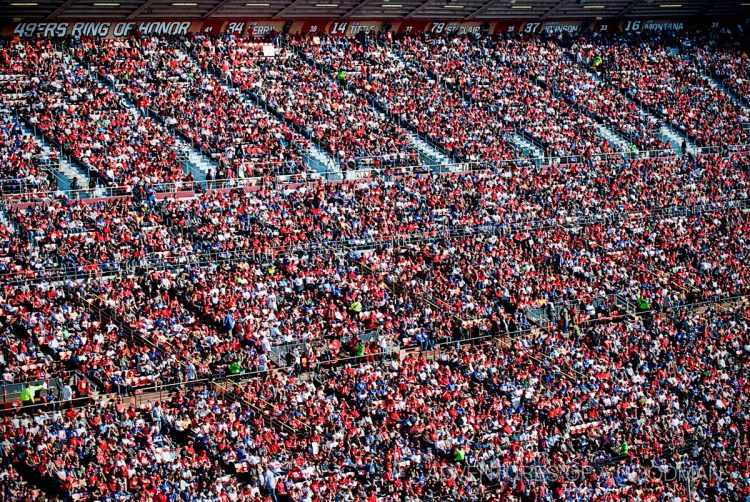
(163, 261)
(279, 181)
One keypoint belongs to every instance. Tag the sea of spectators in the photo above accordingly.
(612, 410)
(417, 294)
(482, 70)
(68, 105)
(466, 130)
(564, 71)
(112, 451)
(156, 75)
(23, 166)
(48, 333)
(320, 342)
(341, 122)
(204, 320)
(106, 233)
(472, 94)
(608, 410)
(731, 67)
(666, 79)
(510, 248)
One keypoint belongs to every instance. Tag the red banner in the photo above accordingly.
(262, 27)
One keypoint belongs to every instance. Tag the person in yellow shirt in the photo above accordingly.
(28, 392)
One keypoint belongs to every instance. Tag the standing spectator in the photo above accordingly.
(28, 392)
(190, 372)
(157, 415)
(269, 483)
(229, 322)
(66, 395)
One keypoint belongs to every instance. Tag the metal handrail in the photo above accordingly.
(419, 169)
(156, 262)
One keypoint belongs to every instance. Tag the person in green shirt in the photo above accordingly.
(459, 455)
(633, 150)
(359, 350)
(355, 309)
(28, 392)
(624, 448)
(234, 368)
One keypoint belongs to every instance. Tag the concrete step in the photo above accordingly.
(428, 153)
(525, 146)
(64, 170)
(5, 221)
(196, 162)
(614, 139)
(666, 132)
(322, 163)
(676, 138)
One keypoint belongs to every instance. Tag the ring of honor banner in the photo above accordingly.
(261, 28)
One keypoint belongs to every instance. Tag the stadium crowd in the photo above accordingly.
(561, 331)
(342, 122)
(157, 75)
(466, 131)
(22, 163)
(731, 67)
(563, 71)
(410, 295)
(665, 79)
(112, 451)
(613, 410)
(106, 233)
(483, 74)
(69, 106)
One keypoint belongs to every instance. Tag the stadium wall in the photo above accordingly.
(260, 27)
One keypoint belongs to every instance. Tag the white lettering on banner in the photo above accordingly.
(314, 28)
(451, 28)
(260, 30)
(49, 30)
(603, 27)
(123, 29)
(469, 30)
(361, 28)
(27, 30)
(339, 28)
(20, 29)
(632, 26)
(159, 28)
(235, 27)
(531, 27)
(437, 27)
(90, 30)
(560, 28)
(663, 26)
